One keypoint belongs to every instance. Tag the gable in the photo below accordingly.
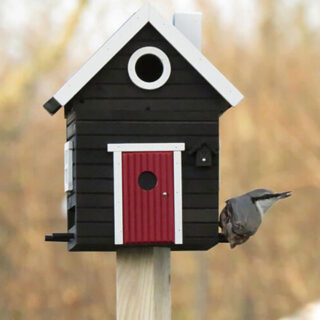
(115, 44)
(185, 82)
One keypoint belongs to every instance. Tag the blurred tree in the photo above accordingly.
(270, 140)
(19, 81)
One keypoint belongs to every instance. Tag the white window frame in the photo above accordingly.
(117, 150)
(68, 166)
(153, 84)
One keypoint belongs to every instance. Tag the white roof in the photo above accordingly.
(147, 14)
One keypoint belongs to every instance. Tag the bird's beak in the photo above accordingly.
(285, 194)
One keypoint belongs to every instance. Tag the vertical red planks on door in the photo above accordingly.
(148, 211)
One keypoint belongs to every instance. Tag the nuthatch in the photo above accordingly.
(242, 215)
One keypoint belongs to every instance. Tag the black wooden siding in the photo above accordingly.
(111, 109)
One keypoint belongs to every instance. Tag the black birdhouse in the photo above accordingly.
(142, 150)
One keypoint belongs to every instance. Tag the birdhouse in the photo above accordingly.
(142, 150)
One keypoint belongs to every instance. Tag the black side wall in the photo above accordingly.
(111, 109)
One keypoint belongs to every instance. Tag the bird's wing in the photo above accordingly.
(241, 229)
(245, 216)
(224, 216)
(227, 215)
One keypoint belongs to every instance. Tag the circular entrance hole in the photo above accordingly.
(147, 180)
(149, 68)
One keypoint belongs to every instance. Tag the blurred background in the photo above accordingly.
(270, 50)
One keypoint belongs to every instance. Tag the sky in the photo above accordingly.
(103, 17)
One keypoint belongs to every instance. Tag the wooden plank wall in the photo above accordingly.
(111, 109)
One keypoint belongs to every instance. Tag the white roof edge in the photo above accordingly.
(103, 55)
(196, 58)
(127, 31)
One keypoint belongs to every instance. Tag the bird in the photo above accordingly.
(242, 215)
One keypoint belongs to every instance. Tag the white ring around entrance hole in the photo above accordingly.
(165, 64)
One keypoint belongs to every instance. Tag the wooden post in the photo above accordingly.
(202, 286)
(143, 283)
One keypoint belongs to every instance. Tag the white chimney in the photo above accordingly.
(190, 25)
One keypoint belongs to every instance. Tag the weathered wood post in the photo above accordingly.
(143, 283)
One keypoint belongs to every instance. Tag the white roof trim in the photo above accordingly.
(127, 31)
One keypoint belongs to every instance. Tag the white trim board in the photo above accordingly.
(134, 147)
(117, 182)
(177, 181)
(126, 32)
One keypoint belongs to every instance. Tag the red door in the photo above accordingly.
(148, 197)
